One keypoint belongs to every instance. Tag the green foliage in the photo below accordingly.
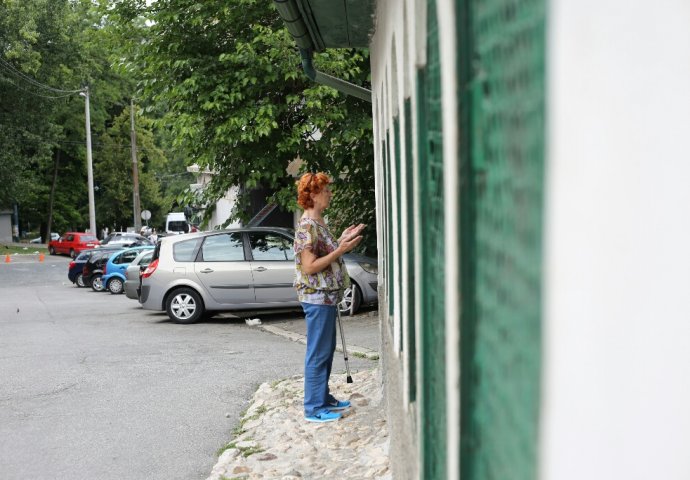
(113, 172)
(228, 77)
(67, 44)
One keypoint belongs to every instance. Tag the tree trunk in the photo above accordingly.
(49, 226)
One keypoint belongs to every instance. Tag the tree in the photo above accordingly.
(49, 49)
(229, 78)
(113, 172)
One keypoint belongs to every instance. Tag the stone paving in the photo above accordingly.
(273, 441)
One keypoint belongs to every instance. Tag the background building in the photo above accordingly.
(260, 212)
(6, 232)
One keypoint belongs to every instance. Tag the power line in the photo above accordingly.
(10, 68)
(37, 94)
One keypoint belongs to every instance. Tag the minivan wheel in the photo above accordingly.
(97, 283)
(352, 297)
(184, 306)
(115, 286)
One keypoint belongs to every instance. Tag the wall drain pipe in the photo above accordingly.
(339, 84)
(294, 21)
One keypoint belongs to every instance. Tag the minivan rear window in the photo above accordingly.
(185, 251)
(178, 226)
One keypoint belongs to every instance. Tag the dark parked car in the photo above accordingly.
(93, 269)
(74, 271)
(237, 269)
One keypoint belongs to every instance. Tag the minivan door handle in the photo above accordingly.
(260, 269)
(206, 270)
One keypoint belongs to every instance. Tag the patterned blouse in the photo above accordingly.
(325, 287)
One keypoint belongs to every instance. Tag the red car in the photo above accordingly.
(72, 243)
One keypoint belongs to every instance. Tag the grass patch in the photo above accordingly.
(228, 446)
(275, 383)
(250, 451)
(239, 429)
(259, 411)
(244, 451)
(27, 249)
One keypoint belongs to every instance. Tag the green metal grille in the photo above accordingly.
(388, 227)
(410, 232)
(501, 67)
(431, 223)
(390, 258)
(398, 212)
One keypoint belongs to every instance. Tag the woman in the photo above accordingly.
(320, 278)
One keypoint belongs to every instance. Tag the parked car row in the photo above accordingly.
(198, 274)
(104, 268)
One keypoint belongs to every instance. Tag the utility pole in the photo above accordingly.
(89, 164)
(135, 172)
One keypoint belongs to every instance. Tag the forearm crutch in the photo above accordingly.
(342, 338)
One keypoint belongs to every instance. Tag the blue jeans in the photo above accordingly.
(319, 357)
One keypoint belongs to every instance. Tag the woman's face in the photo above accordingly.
(323, 198)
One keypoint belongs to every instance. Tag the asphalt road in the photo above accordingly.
(91, 386)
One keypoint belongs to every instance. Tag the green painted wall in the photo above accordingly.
(431, 223)
(501, 68)
(410, 233)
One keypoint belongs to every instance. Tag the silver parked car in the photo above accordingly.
(238, 269)
(125, 239)
(134, 271)
(53, 236)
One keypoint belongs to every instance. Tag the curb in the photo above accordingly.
(299, 338)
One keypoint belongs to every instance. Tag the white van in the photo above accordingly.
(176, 223)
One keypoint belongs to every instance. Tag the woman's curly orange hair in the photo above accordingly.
(310, 183)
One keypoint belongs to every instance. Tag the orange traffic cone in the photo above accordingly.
(7, 258)
(41, 257)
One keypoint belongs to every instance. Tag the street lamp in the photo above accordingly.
(89, 163)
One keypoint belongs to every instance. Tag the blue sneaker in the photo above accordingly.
(323, 416)
(339, 405)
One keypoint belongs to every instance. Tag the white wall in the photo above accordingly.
(224, 205)
(6, 227)
(616, 390)
(224, 208)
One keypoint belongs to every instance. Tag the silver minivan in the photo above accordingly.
(237, 269)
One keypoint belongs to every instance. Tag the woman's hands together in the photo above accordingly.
(351, 237)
